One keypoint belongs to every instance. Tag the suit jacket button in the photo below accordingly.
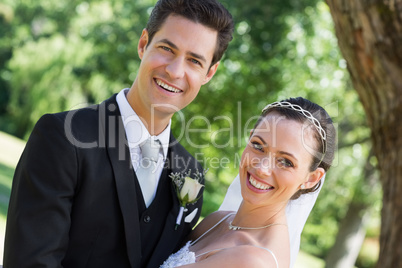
(147, 219)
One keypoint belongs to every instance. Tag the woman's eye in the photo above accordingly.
(257, 146)
(283, 162)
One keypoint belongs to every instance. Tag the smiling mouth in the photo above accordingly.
(167, 87)
(258, 184)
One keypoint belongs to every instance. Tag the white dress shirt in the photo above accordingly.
(137, 133)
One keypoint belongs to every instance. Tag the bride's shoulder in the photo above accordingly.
(217, 216)
(210, 221)
(244, 256)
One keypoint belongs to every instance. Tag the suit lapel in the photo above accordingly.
(116, 144)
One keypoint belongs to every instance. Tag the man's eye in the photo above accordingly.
(166, 48)
(195, 61)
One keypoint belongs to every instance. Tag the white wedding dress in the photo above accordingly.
(182, 257)
(185, 256)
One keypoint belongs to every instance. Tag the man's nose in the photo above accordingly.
(175, 68)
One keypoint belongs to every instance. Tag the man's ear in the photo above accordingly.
(314, 177)
(211, 73)
(142, 43)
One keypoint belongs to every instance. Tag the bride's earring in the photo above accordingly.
(302, 186)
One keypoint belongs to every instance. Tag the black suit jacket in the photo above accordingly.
(75, 199)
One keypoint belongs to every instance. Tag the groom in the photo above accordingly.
(81, 195)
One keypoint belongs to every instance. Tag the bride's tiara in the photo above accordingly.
(297, 108)
(307, 114)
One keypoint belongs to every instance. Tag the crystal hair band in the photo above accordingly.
(297, 108)
(308, 115)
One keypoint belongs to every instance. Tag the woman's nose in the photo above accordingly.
(264, 167)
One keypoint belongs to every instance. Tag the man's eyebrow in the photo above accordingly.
(166, 41)
(192, 54)
(197, 56)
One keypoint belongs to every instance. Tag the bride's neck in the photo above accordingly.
(251, 216)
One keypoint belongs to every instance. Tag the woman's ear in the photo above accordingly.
(314, 177)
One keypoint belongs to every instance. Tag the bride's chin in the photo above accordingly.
(249, 197)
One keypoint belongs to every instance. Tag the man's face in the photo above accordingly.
(174, 65)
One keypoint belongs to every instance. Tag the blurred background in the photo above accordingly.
(61, 55)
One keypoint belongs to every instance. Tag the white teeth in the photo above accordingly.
(259, 185)
(167, 87)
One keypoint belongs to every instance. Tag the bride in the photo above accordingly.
(289, 151)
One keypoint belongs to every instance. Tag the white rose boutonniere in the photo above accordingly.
(187, 190)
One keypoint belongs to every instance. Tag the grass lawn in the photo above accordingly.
(11, 149)
(305, 260)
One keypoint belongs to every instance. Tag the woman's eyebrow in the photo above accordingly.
(280, 152)
(263, 141)
(287, 153)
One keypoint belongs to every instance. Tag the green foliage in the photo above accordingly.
(65, 54)
(51, 85)
(11, 149)
(306, 260)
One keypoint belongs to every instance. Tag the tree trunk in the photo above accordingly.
(349, 239)
(352, 230)
(370, 38)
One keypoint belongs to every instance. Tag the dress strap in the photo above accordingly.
(270, 251)
(201, 236)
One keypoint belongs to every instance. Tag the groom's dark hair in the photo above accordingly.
(210, 13)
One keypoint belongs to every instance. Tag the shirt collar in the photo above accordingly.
(136, 132)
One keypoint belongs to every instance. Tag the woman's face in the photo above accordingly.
(276, 161)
